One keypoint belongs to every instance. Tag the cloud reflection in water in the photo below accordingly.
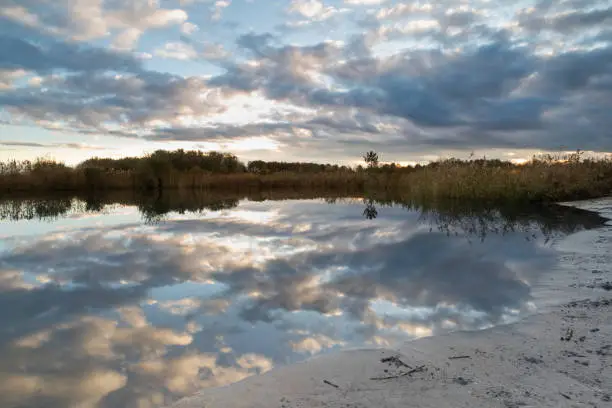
(136, 314)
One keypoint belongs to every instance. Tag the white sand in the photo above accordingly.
(525, 364)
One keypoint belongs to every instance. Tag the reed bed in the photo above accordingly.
(543, 179)
(535, 181)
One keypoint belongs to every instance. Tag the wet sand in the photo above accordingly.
(559, 357)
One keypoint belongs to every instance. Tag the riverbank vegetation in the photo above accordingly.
(542, 179)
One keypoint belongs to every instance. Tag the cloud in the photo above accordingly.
(218, 8)
(87, 20)
(78, 146)
(364, 2)
(9, 76)
(189, 28)
(105, 103)
(17, 53)
(311, 11)
(565, 22)
(176, 50)
(402, 9)
(315, 344)
(183, 306)
(127, 39)
(429, 89)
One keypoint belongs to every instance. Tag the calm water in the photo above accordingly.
(137, 304)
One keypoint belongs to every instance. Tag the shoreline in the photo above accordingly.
(558, 357)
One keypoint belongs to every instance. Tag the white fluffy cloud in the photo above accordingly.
(312, 10)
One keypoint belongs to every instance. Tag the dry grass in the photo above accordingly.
(544, 179)
(536, 181)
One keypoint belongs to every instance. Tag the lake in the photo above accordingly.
(137, 301)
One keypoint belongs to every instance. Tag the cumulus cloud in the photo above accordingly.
(311, 9)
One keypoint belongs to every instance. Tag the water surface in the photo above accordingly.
(135, 302)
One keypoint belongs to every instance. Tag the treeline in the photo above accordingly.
(179, 169)
(163, 161)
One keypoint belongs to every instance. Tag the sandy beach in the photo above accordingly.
(558, 357)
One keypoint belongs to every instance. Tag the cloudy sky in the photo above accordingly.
(319, 80)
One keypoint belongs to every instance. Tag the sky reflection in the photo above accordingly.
(118, 308)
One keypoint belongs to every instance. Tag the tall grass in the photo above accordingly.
(543, 179)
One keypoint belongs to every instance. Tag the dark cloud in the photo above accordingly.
(566, 22)
(496, 87)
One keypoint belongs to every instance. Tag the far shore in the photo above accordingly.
(559, 357)
(544, 179)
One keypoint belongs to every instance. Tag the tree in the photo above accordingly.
(371, 159)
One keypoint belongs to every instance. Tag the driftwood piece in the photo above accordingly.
(405, 373)
(458, 357)
(396, 360)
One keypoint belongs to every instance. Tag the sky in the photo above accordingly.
(305, 80)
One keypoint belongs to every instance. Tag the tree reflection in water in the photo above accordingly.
(478, 220)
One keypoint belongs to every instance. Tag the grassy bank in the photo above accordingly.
(547, 179)
(543, 179)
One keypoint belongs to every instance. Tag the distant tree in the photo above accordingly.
(371, 159)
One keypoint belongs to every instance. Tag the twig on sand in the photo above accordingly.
(458, 357)
(331, 383)
(396, 360)
(414, 370)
